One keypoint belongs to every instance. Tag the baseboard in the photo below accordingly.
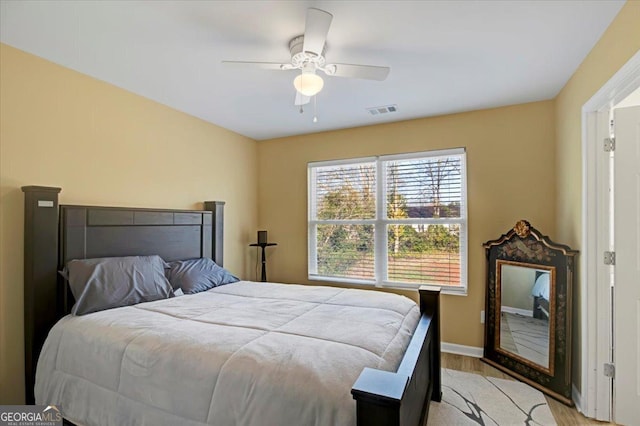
(577, 398)
(454, 348)
(517, 311)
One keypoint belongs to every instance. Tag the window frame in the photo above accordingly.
(380, 222)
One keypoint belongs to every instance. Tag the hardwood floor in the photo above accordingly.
(564, 415)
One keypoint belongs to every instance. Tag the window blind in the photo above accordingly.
(390, 221)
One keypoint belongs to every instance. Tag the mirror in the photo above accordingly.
(528, 309)
(525, 304)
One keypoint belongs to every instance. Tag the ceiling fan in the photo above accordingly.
(307, 55)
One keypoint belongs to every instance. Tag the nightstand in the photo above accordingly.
(264, 259)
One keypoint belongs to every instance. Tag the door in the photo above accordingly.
(626, 384)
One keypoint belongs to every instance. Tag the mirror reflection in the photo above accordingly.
(526, 325)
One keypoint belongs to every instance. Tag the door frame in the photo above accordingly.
(595, 398)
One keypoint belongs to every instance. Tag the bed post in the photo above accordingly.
(217, 210)
(384, 398)
(430, 304)
(40, 274)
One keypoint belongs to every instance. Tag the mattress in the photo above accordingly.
(241, 354)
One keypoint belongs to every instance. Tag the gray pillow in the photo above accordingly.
(111, 282)
(196, 275)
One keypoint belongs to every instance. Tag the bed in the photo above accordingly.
(244, 353)
(540, 292)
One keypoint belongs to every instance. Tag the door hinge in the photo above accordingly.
(609, 370)
(609, 257)
(610, 144)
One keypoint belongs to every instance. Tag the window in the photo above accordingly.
(397, 220)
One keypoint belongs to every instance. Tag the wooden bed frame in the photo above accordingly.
(540, 303)
(54, 234)
(541, 308)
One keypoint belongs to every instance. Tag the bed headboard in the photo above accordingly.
(56, 234)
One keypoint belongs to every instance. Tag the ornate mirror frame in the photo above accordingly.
(524, 246)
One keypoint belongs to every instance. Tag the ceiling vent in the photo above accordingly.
(383, 109)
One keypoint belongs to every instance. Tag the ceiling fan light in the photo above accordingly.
(309, 84)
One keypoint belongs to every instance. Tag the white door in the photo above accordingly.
(626, 308)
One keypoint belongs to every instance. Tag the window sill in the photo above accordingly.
(452, 291)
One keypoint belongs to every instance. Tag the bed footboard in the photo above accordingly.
(402, 398)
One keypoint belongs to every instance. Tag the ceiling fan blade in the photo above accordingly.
(316, 29)
(368, 72)
(261, 65)
(301, 99)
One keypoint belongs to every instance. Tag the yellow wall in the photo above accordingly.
(511, 176)
(104, 145)
(617, 45)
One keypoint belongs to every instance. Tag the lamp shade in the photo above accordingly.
(308, 83)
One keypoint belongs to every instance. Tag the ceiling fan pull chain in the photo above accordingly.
(315, 109)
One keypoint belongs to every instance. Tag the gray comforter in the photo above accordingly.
(240, 354)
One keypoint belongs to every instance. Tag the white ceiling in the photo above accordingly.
(445, 56)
